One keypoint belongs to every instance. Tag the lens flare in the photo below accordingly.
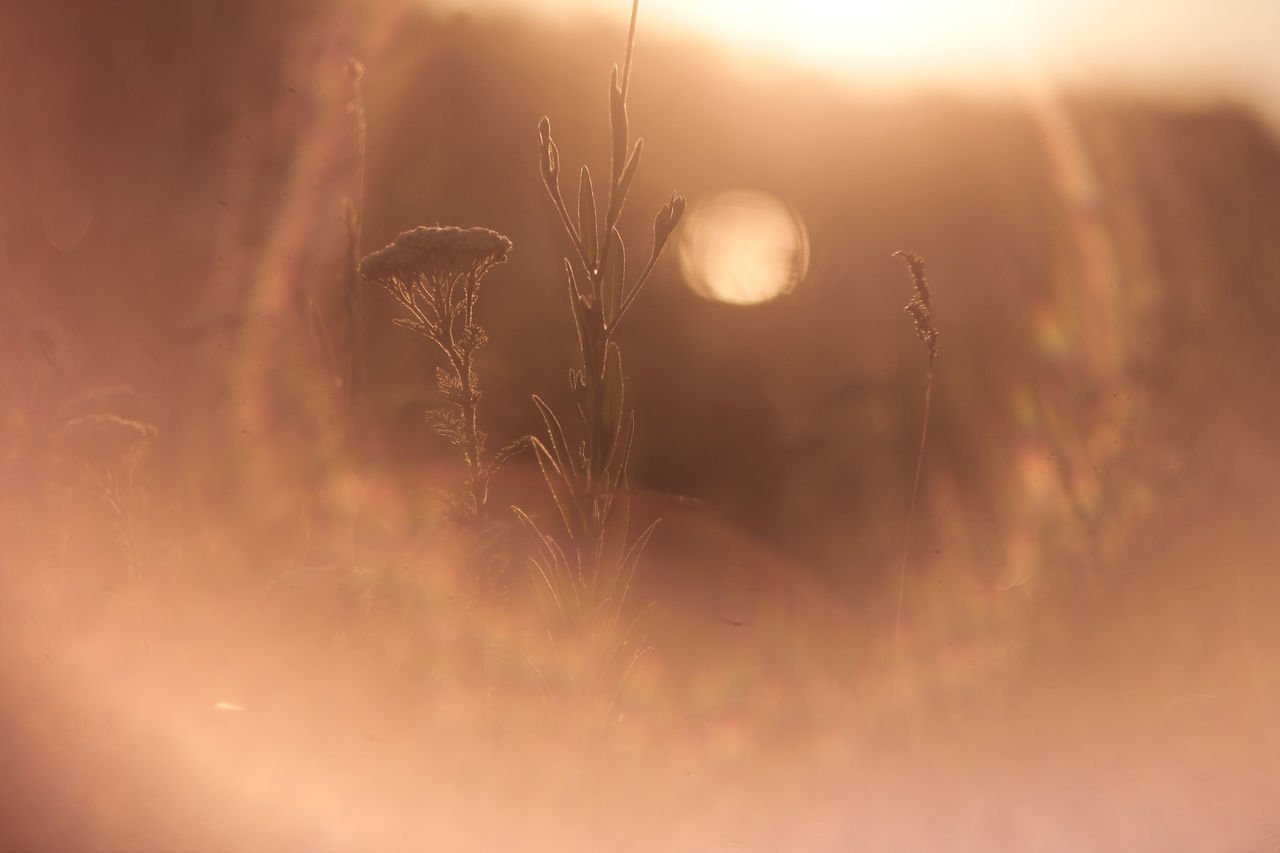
(743, 247)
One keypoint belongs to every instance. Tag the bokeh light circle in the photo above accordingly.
(743, 247)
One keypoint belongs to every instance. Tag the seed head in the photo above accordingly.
(919, 308)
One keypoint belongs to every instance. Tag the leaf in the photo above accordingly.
(618, 122)
(624, 184)
(507, 452)
(448, 424)
(613, 536)
(473, 338)
(579, 306)
(611, 409)
(546, 164)
(448, 386)
(587, 216)
(620, 455)
(550, 566)
(568, 586)
(575, 292)
(558, 442)
(613, 275)
(557, 484)
(633, 557)
(412, 325)
(538, 535)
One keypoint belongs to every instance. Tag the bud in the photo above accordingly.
(665, 222)
(548, 156)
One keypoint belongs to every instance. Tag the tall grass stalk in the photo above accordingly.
(353, 296)
(921, 313)
(587, 574)
(345, 366)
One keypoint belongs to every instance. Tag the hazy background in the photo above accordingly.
(255, 635)
(1176, 49)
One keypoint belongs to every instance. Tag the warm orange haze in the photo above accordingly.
(1175, 48)
(374, 476)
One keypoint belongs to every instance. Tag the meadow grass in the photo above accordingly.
(586, 572)
(434, 274)
(921, 312)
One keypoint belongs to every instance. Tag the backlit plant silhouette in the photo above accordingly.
(587, 575)
(434, 274)
(921, 313)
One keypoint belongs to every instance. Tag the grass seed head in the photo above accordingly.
(918, 308)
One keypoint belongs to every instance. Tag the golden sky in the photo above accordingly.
(1195, 46)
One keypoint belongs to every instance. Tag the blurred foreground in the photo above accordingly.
(234, 616)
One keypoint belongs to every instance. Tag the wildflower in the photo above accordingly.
(434, 273)
(432, 257)
(422, 269)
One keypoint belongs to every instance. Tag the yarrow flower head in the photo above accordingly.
(435, 254)
(434, 273)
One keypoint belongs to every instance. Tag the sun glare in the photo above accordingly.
(900, 38)
(743, 247)
(903, 39)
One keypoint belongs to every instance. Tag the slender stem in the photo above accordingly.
(355, 226)
(631, 296)
(460, 359)
(911, 512)
(631, 40)
(475, 485)
(615, 187)
(361, 141)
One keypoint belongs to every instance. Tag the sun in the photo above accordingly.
(903, 38)
(743, 247)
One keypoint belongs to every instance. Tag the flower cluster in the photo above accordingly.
(430, 258)
(423, 268)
